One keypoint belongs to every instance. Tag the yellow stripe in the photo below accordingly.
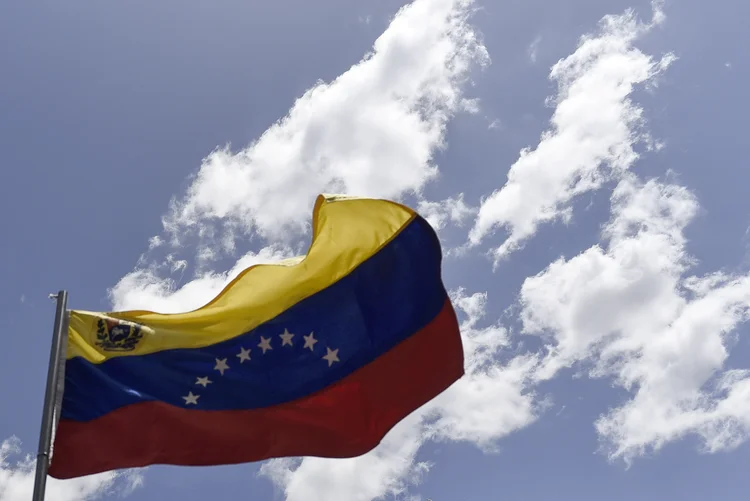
(346, 232)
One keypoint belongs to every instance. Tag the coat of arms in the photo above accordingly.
(117, 335)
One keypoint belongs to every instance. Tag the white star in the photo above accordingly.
(243, 355)
(332, 356)
(286, 338)
(310, 341)
(221, 365)
(265, 344)
(203, 381)
(191, 399)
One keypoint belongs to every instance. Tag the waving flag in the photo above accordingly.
(318, 356)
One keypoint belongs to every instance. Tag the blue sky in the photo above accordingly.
(601, 276)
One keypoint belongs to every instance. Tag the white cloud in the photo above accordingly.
(17, 480)
(628, 310)
(155, 241)
(389, 469)
(493, 399)
(144, 288)
(533, 50)
(594, 128)
(452, 209)
(176, 264)
(372, 131)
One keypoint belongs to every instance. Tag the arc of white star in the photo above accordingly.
(203, 381)
(221, 365)
(191, 399)
(332, 356)
(286, 338)
(243, 355)
(310, 341)
(265, 344)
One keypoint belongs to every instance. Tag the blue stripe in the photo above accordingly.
(383, 301)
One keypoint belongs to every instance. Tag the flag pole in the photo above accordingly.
(51, 395)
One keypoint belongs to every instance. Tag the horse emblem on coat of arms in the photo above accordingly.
(117, 335)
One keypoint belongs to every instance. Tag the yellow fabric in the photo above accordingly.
(346, 232)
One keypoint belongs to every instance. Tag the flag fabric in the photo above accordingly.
(316, 356)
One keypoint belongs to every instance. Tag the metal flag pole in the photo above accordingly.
(51, 395)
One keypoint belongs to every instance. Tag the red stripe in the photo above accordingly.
(347, 419)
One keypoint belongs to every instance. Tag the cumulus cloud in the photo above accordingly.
(629, 311)
(452, 209)
(595, 127)
(388, 469)
(145, 289)
(372, 131)
(17, 480)
(492, 400)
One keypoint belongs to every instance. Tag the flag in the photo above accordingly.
(316, 356)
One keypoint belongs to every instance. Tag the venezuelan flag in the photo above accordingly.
(317, 356)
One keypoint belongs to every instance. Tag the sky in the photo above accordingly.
(584, 163)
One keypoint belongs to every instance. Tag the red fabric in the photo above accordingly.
(346, 419)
